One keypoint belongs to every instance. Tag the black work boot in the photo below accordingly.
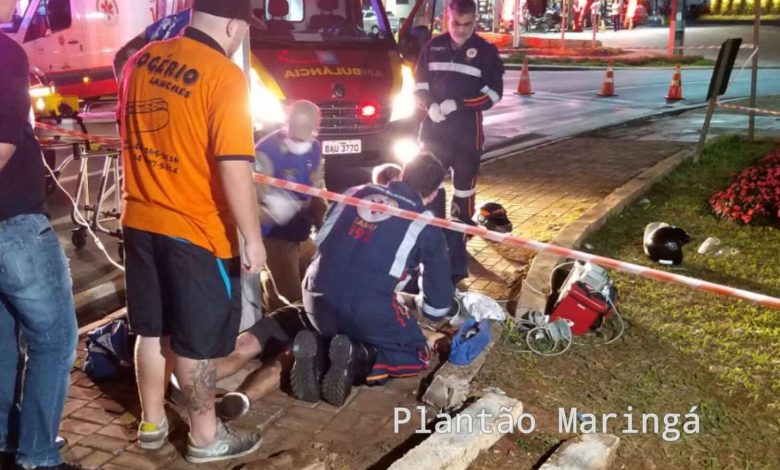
(348, 360)
(337, 384)
(309, 366)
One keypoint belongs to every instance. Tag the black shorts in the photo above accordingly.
(178, 289)
(276, 332)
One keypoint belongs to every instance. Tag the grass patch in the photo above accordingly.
(593, 61)
(681, 348)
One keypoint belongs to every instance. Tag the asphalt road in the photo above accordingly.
(769, 39)
(565, 103)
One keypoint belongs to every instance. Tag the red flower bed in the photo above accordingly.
(755, 194)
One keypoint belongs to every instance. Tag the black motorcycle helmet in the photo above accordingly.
(493, 216)
(663, 243)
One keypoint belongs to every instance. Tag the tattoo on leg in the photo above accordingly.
(200, 393)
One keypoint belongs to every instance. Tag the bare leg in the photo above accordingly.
(153, 360)
(267, 378)
(246, 348)
(198, 380)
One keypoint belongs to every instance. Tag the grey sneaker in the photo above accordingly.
(233, 406)
(228, 443)
(152, 436)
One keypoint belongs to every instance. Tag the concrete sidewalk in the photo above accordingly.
(543, 191)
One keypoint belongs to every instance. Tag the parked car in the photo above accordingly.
(371, 23)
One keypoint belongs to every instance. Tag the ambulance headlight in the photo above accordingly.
(267, 109)
(406, 149)
(404, 104)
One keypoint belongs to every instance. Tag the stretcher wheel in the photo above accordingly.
(79, 238)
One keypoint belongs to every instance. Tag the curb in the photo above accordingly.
(535, 291)
(95, 302)
(573, 68)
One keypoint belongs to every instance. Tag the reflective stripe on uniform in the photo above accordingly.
(434, 312)
(331, 220)
(464, 193)
(410, 239)
(421, 86)
(453, 67)
(492, 94)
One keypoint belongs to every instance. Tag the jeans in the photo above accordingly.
(36, 308)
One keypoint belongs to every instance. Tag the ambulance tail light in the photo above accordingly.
(267, 109)
(404, 104)
(368, 110)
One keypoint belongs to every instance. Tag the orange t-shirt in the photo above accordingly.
(184, 106)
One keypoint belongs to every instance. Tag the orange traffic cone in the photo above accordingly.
(524, 85)
(675, 89)
(608, 85)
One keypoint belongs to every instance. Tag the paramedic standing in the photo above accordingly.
(458, 76)
(36, 299)
(187, 137)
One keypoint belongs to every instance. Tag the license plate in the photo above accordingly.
(341, 147)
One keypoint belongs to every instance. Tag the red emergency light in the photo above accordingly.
(368, 110)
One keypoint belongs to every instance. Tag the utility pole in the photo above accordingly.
(564, 14)
(676, 27)
(754, 71)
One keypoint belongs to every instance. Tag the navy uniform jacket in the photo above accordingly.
(471, 75)
(365, 256)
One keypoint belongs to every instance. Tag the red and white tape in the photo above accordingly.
(509, 239)
(79, 135)
(748, 110)
(534, 245)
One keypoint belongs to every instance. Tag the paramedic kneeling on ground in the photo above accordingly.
(187, 157)
(350, 289)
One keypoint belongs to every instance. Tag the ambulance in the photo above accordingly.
(317, 50)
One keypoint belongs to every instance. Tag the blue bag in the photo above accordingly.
(109, 348)
(472, 338)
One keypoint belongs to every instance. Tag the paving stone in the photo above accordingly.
(78, 426)
(76, 453)
(112, 466)
(104, 443)
(300, 418)
(70, 437)
(374, 401)
(120, 432)
(94, 415)
(85, 393)
(72, 405)
(95, 460)
(108, 404)
(137, 461)
(126, 419)
(277, 438)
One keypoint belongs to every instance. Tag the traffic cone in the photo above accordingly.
(524, 85)
(608, 85)
(675, 89)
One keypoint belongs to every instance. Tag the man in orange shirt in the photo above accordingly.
(187, 154)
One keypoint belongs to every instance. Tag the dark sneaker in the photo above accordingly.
(152, 436)
(228, 444)
(233, 406)
(337, 384)
(308, 367)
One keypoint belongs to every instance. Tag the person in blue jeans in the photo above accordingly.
(38, 332)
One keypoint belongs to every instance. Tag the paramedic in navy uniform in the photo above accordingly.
(458, 76)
